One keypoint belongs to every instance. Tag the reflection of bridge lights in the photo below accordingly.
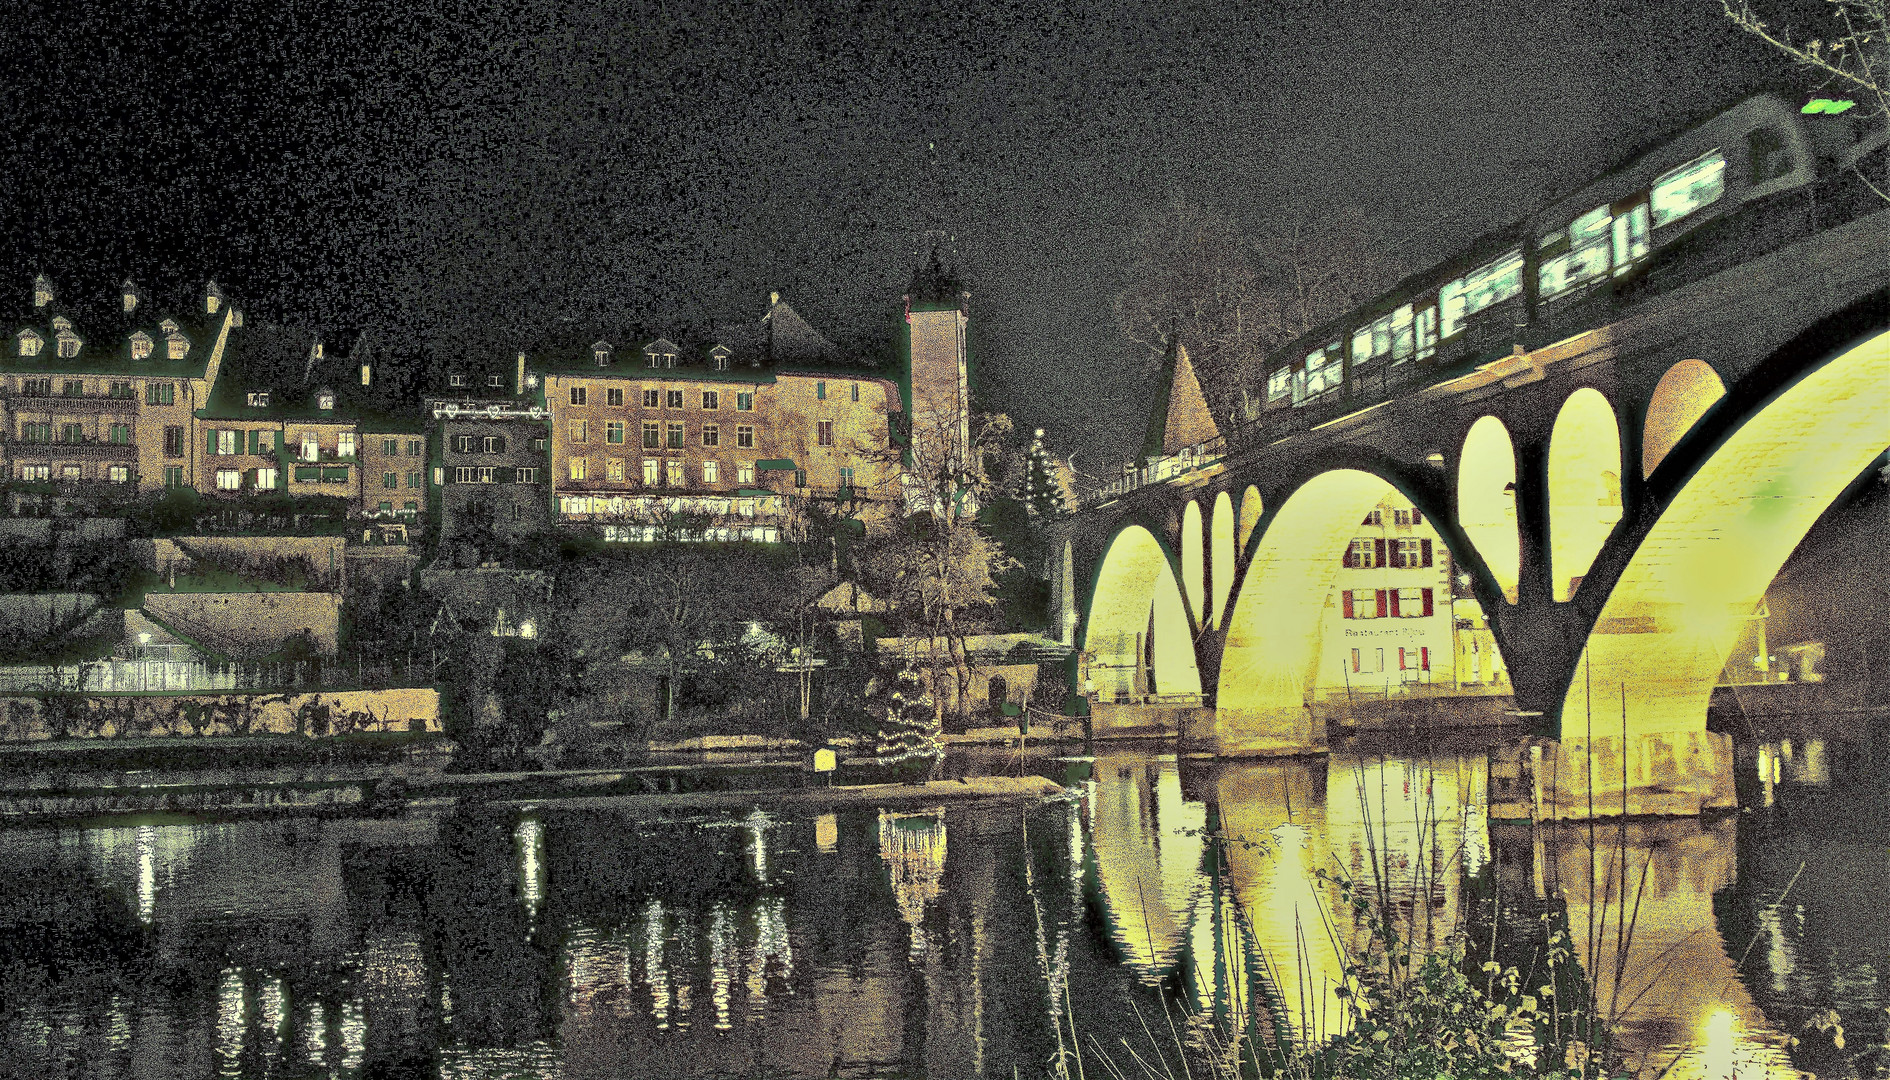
(147, 873)
(1717, 1057)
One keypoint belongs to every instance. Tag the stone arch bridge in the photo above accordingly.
(1723, 418)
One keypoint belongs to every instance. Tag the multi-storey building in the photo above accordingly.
(98, 409)
(287, 419)
(493, 430)
(1392, 594)
(726, 435)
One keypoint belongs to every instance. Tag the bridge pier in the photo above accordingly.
(1652, 774)
(1240, 733)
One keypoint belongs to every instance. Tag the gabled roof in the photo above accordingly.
(791, 342)
(280, 360)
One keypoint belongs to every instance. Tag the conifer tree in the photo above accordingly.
(906, 734)
(1043, 491)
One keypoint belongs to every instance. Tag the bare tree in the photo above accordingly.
(1234, 298)
(1855, 58)
(936, 565)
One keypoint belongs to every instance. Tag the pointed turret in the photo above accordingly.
(1180, 417)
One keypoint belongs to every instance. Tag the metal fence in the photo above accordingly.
(145, 675)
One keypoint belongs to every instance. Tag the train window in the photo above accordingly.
(1585, 259)
(1325, 371)
(1630, 238)
(1766, 154)
(1681, 191)
(1401, 334)
(1362, 344)
(1426, 332)
(1280, 386)
(1487, 285)
(1389, 336)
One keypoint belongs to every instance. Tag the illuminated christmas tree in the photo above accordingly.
(906, 739)
(1043, 488)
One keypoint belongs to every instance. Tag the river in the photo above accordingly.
(965, 942)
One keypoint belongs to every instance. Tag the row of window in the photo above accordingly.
(155, 393)
(415, 480)
(1386, 603)
(176, 345)
(42, 432)
(1412, 516)
(668, 399)
(1398, 553)
(1611, 239)
(415, 447)
(617, 505)
(484, 474)
(658, 435)
(116, 474)
(768, 534)
(1418, 659)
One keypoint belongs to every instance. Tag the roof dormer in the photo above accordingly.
(661, 353)
(169, 326)
(42, 292)
(31, 342)
(258, 399)
(69, 343)
(60, 322)
(129, 296)
(600, 352)
(325, 399)
(719, 357)
(141, 344)
(176, 345)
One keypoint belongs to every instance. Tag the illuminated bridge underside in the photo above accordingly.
(1136, 591)
(1676, 611)
(1275, 632)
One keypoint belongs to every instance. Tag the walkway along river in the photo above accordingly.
(952, 942)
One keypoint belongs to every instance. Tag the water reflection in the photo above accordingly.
(962, 942)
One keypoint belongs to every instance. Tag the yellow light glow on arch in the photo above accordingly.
(1682, 396)
(1584, 486)
(1193, 560)
(1274, 635)
(1486, 500)
(1136, 595)
(1251, 508)
(1221, 557)
(1678, 608)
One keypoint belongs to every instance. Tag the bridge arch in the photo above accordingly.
(1584, 486)
(1680, 398)
(1220, 559)
(1275, 632)
(1251, 507)
(1137, 632)
(1193, 562)
(1486, 501)
(1662, 637)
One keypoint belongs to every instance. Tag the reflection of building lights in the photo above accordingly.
(655, 933)
(528, 629)
(230, 1019)
(147, 873)
(913, 847)
(316, 1046)
(827, 833)
(757, 828)
(530, 838)
(1717, 1057)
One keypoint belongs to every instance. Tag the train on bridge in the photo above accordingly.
(1752, 179)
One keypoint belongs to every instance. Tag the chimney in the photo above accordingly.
(129, 296)
(774, 298)
(315, 351)
(518, 380)
(367, 373)
(42, 292)
(212, 298)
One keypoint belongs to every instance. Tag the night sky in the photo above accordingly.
(500, 175)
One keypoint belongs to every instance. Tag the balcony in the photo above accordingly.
(88, 404)
(24, 450)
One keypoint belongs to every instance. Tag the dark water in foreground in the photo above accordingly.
(946, 944)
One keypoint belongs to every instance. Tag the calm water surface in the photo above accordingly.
(955, 943)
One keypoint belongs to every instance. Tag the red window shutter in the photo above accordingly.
(1426, 547)
(1400, 659)
(1425, 654)
(1427, 603)
(1348, 603)
(1378, 549)
(1417, 518)
(1384, 609)
(1346, 559)
(1394, 602)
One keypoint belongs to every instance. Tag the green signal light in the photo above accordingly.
(1826, 106)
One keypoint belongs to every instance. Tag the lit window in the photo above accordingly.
(711, 472)
(579, 468)
(225, 442)
(1426, 332)
(44, 472)
(344, 445)
(745, 473)
(1487, 285)
(580, 431)
(177, 346)
(229, 479)
(613, 470)
(140, 345)
(1681, 191)
(267, 479)
(68, 345)
(673, 470)
(649, 471)
(1630, 238)
(30, 343)
(118, 474)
